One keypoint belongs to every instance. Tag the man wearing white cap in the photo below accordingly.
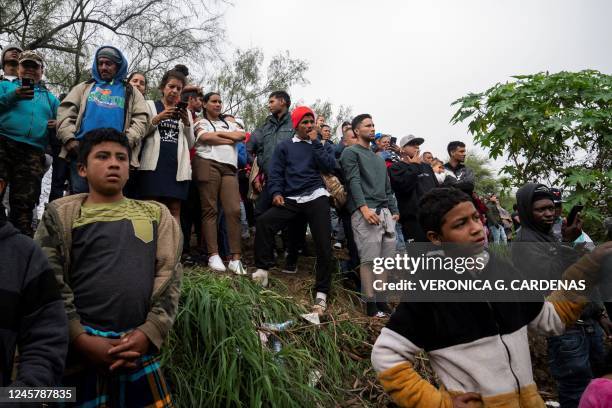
(410, 179)
(10, 61)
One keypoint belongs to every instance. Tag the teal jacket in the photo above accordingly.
(24, 120)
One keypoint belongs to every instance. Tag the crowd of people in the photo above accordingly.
(141, 187)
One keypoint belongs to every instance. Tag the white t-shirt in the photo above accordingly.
(224, 153)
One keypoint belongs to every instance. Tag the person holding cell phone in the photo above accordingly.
(165, 167)
(27, 112)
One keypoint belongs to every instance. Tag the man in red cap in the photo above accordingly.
(297, 189)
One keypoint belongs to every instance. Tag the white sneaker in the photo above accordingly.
(237, 267)
(216, 263)
(261, 276)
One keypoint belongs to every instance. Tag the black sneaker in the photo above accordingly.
(290, 264)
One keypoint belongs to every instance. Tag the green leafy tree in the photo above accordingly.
(552, 128)
(245, 88)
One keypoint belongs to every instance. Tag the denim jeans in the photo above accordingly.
(570, 357)
(78, 184)
(498, 234)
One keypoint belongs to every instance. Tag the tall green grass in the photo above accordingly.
(215, 357)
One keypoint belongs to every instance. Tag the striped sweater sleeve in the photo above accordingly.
(393, 357)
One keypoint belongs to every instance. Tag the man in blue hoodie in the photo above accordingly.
(105, 101)
(27, 111)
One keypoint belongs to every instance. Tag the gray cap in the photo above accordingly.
(410, 139)
(110, 53)
(7, 49)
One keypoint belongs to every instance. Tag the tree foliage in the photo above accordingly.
(333, 116)
(152, 33)
(245, 87)
(553, 128)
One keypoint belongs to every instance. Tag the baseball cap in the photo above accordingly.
(410, 139)
(32, 56)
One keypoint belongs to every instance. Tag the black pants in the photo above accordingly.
(59, 174)
(277, 218)
(345, 216)
(412, 230)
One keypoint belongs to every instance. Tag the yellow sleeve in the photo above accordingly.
(408, 389)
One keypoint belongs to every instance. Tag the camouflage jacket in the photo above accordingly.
(54, 235)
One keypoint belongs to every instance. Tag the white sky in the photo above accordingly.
(404, 62)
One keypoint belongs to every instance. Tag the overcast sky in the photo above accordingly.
(404, 62)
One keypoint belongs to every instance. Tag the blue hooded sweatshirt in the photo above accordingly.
(25, 120)
(106, 100)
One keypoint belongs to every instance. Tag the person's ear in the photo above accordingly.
(82, 170)
(434, 237)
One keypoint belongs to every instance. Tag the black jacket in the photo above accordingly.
(535, 248)
(464, 177)
(33, 316)
(410, 182)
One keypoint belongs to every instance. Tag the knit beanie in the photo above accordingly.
(298, 114)
(110, 53)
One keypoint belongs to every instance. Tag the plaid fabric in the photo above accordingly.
(142, 387)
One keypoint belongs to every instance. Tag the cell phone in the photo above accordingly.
(27, 83)
(393, 140)
(181, 105)
(573, 213)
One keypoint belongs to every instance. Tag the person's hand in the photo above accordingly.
(313, 135)
(369, 215)
(95, 349)
(168, 113)
(572, 232)
(24, 93)
(395, 217)
(278, 201)
(601, 251)
(51, 124)
(72, 147)
(183, 116)
(606, 325)
(394, 148)
(416, 159)
(461, 401)
(257, 186)
(130, 347)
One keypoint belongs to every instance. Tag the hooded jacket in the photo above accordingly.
(542, 248)
(410, 181)
(533, 247)
(464, 178)
(25, 120)
(33, 317)
(73, 118)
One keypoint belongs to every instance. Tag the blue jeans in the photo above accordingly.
(78, 184)
(498, 233)
(570, 357)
